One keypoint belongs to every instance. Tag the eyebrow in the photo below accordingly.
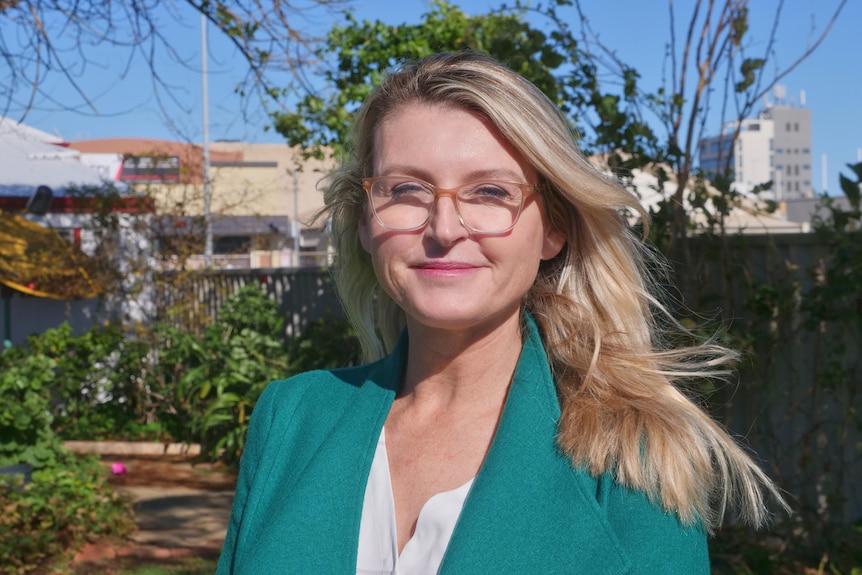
(502, 174)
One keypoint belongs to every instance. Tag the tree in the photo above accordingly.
(356, 55)
(43, 40)
(714, 60)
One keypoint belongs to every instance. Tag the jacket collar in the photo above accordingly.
(528, 510)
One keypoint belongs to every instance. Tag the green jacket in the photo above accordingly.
(308, 455)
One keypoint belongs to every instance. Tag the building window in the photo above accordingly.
(150, 168)
(806, 167)
(788, 126)
(806, 151)
(770, 144)
(232, 245)
(796, 127)
(789, 170)
(796, 170)
(779, 151)
(796, 186)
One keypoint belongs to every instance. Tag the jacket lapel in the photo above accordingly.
(529, 510)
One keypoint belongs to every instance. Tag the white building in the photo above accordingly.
(775, 147)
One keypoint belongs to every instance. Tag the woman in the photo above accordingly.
(519, 416)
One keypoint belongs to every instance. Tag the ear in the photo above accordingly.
(364, 234)
(552, 244)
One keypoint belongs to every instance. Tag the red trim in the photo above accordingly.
(76, 237)
(69, 205)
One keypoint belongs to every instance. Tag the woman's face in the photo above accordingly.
(444, 276)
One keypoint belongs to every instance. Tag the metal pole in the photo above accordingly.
(295, 222)
(7, 317)
(208, 233)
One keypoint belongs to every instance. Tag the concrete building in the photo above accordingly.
(262, 201)
(775, 147)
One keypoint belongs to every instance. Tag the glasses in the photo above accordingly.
(405, 204)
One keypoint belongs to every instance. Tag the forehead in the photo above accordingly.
(443, 138)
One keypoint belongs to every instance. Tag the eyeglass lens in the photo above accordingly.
(488, 206)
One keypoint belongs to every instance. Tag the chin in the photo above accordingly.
(458, 319)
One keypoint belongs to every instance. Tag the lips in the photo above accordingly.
(444, 266)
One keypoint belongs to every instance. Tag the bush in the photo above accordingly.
(67, 501)
(50, 518)
(98, 388)
(221, 377)
(165, 383)
(25, 421)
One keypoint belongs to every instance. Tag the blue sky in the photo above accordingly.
(125, 105)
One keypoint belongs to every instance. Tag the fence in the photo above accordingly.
(797, 403)
(303, 295)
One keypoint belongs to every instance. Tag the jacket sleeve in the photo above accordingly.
(657, 542)
(256, 438)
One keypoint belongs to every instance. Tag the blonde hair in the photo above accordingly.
(617, 380)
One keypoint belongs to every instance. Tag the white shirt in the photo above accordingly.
(378, 536)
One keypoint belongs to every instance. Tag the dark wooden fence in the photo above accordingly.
(796, 402)
(192, 298)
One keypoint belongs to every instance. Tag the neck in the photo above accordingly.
(447, 368)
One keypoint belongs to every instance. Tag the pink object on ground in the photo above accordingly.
(118, 469)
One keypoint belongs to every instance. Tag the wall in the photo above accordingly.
(22, 315)
(797, 400)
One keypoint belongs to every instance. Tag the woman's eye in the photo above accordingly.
(411, 191)
(488, 192)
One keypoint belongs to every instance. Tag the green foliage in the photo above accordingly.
(223, 375)
(62, 508)
(163, 384)
(156, 566)
(25, 420)
(836, 295)
(795, 310)
(97, 379)
(327, 343)
(106, 384)
(240, 354)
(357, 56)
(67, 502)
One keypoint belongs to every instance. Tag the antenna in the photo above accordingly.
(802, 98)
(824, 178)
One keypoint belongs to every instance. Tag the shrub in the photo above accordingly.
(98, 388)
(62, 508)
(25, 421)
(67, 500)
(219, 378)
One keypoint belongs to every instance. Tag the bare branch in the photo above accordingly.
(42, 40)
(804, 56)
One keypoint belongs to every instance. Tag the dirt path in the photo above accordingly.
(181, 508)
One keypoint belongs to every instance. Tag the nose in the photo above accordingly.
(444, 225)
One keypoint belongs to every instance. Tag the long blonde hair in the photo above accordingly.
(622, 411)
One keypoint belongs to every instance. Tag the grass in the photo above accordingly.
(139, 566)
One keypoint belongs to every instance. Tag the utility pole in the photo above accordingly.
(295, 223)
(208, 232)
